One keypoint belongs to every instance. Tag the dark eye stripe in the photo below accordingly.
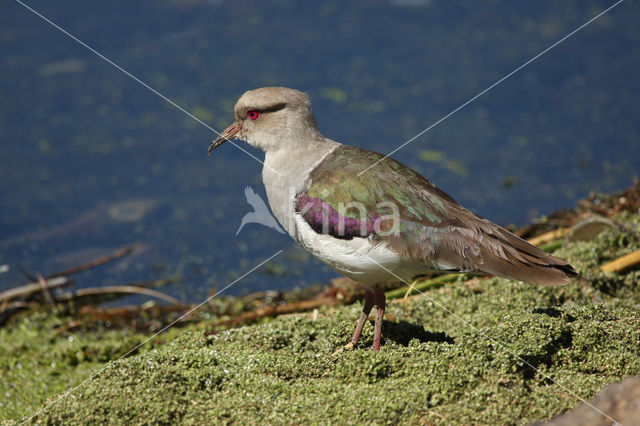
(272, 108)
(276, 107)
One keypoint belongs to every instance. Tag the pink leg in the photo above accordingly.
(369, 298)
(380, 301)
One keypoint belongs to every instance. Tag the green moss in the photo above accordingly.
(291, 370)
(501, 352)
(37, 363)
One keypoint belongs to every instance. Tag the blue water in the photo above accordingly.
(90, 160)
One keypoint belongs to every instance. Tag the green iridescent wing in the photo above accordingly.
(430, 227)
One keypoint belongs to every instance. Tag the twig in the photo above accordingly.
(47, 292)
(155, 283)
(45, 289)
(622, 263)
(123, 312)
(27, 274)
(423, 285)
(101, 292)
(18, 305)
(68, 326)
(97, 262)
(90, 315)
(410, 290)
(549, 236)
(273, 311)
(31, 288)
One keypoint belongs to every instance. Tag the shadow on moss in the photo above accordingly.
(403, 332)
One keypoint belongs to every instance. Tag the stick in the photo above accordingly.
(97, 262)
(100, 292)
(45, 289)
(47, 293)
(273, 311)
(549, 236)
(31, 288)
(422, 285)
(19, 305)
(125, 312)
(89, 315)
(155, 283)
(622, 263)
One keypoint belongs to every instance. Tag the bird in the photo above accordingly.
(368, 216)
(260, 213)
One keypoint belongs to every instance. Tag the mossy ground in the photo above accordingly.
(501, 352)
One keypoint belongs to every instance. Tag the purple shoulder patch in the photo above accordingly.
(324, 219)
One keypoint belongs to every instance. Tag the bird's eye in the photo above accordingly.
(253, 114)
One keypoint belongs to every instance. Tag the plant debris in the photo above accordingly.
(468, 349)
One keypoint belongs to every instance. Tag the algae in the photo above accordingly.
(478, 351)
(36, 362)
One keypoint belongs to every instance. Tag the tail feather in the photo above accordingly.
(493, 250)
(552, 273)
(524, 261)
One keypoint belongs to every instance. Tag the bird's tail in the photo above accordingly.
(523, 261)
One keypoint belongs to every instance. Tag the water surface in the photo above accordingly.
(90, 160)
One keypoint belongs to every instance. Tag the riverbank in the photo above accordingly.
(473, 350)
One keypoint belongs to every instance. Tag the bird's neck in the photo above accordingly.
(294, 157)
(285, 173)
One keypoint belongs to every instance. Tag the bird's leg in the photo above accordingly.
(380, 301)
(369, 298)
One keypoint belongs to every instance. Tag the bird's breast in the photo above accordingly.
(358, 258)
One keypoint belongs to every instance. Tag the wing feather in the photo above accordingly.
(429, 228)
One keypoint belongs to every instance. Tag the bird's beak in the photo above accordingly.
(229, 133)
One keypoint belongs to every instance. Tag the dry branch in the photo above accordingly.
(623, 263)
(31, 288)
(274, 311)
(97, 262)
(549, 236)
(101, 293)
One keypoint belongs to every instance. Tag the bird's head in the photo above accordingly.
(271, 117)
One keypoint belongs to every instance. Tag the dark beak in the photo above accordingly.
(228, 134)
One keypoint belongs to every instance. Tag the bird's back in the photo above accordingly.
(433, 230)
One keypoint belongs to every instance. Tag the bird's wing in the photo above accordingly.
(431, 227)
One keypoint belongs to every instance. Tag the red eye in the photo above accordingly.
(253, 114)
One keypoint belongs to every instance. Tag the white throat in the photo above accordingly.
(285, 174)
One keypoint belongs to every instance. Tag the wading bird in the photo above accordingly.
(385, 224)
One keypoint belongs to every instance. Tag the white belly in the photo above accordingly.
(357, 258)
